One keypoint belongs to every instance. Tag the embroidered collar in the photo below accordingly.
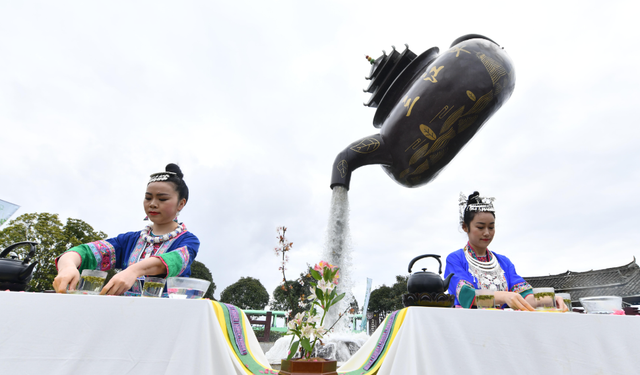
(148, 237)
(488, 275)
(487, 258)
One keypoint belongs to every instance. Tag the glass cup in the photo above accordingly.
(545, 298)
(91, 282)
(187, 287)
(153, 287)
(566, 297)
(485, 299)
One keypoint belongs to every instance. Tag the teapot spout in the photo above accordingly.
(447, 280)
(27, 273)
(368, 150)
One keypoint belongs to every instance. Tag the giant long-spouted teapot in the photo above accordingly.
(428, 108)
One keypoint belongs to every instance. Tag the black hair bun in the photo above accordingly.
(474, 198)
(175, 169)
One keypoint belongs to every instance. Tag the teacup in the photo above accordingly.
(91, 282)
(153, 287)
(545, 298)
(485, 299)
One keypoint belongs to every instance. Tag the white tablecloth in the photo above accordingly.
(74, 334)
(69, 334)
(459, 341)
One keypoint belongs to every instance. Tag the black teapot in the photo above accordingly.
(428, 107)
(427, 282)
(15, 274)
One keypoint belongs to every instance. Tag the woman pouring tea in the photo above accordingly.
(476, 267)
(163, 248)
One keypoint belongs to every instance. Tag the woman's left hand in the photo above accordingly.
(513, 300)
(120, 283)
(560, 304)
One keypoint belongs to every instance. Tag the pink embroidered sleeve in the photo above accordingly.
(104, 253)
(176, 261)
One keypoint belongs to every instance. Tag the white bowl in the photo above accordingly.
(601, 304)
(186, 287)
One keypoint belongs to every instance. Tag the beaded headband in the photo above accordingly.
(482, 204)
(161, 176)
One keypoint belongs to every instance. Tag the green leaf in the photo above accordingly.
(320, 294)
(306, 345)
(326, 275)
(338, 299)
(333, 294)
(316, 275)
(293, 349)
(329, 274)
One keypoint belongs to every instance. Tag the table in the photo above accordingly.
(460, 341)
(76, 334)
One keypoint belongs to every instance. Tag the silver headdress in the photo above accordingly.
(477, 204)
(161, 176)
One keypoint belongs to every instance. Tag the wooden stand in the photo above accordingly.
(297, 367)
(428, 299)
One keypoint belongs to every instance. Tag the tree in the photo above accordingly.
(54, 239)
(247, 293)
(200, 271)
(400, 288)
(292, 295)
(385, 299)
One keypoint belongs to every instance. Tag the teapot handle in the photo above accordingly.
(425, 256)
(32, 250)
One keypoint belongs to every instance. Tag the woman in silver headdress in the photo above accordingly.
(163, 248)
(476, 267)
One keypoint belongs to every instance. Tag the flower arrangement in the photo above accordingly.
(306, 326)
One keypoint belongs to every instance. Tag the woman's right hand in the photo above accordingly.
(68, 274)
(67, 277)
(120, 282)
(513, 300)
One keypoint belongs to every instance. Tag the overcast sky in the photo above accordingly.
(254, 100)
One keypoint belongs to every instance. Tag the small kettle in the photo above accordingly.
(427, 282)
(15, 274)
